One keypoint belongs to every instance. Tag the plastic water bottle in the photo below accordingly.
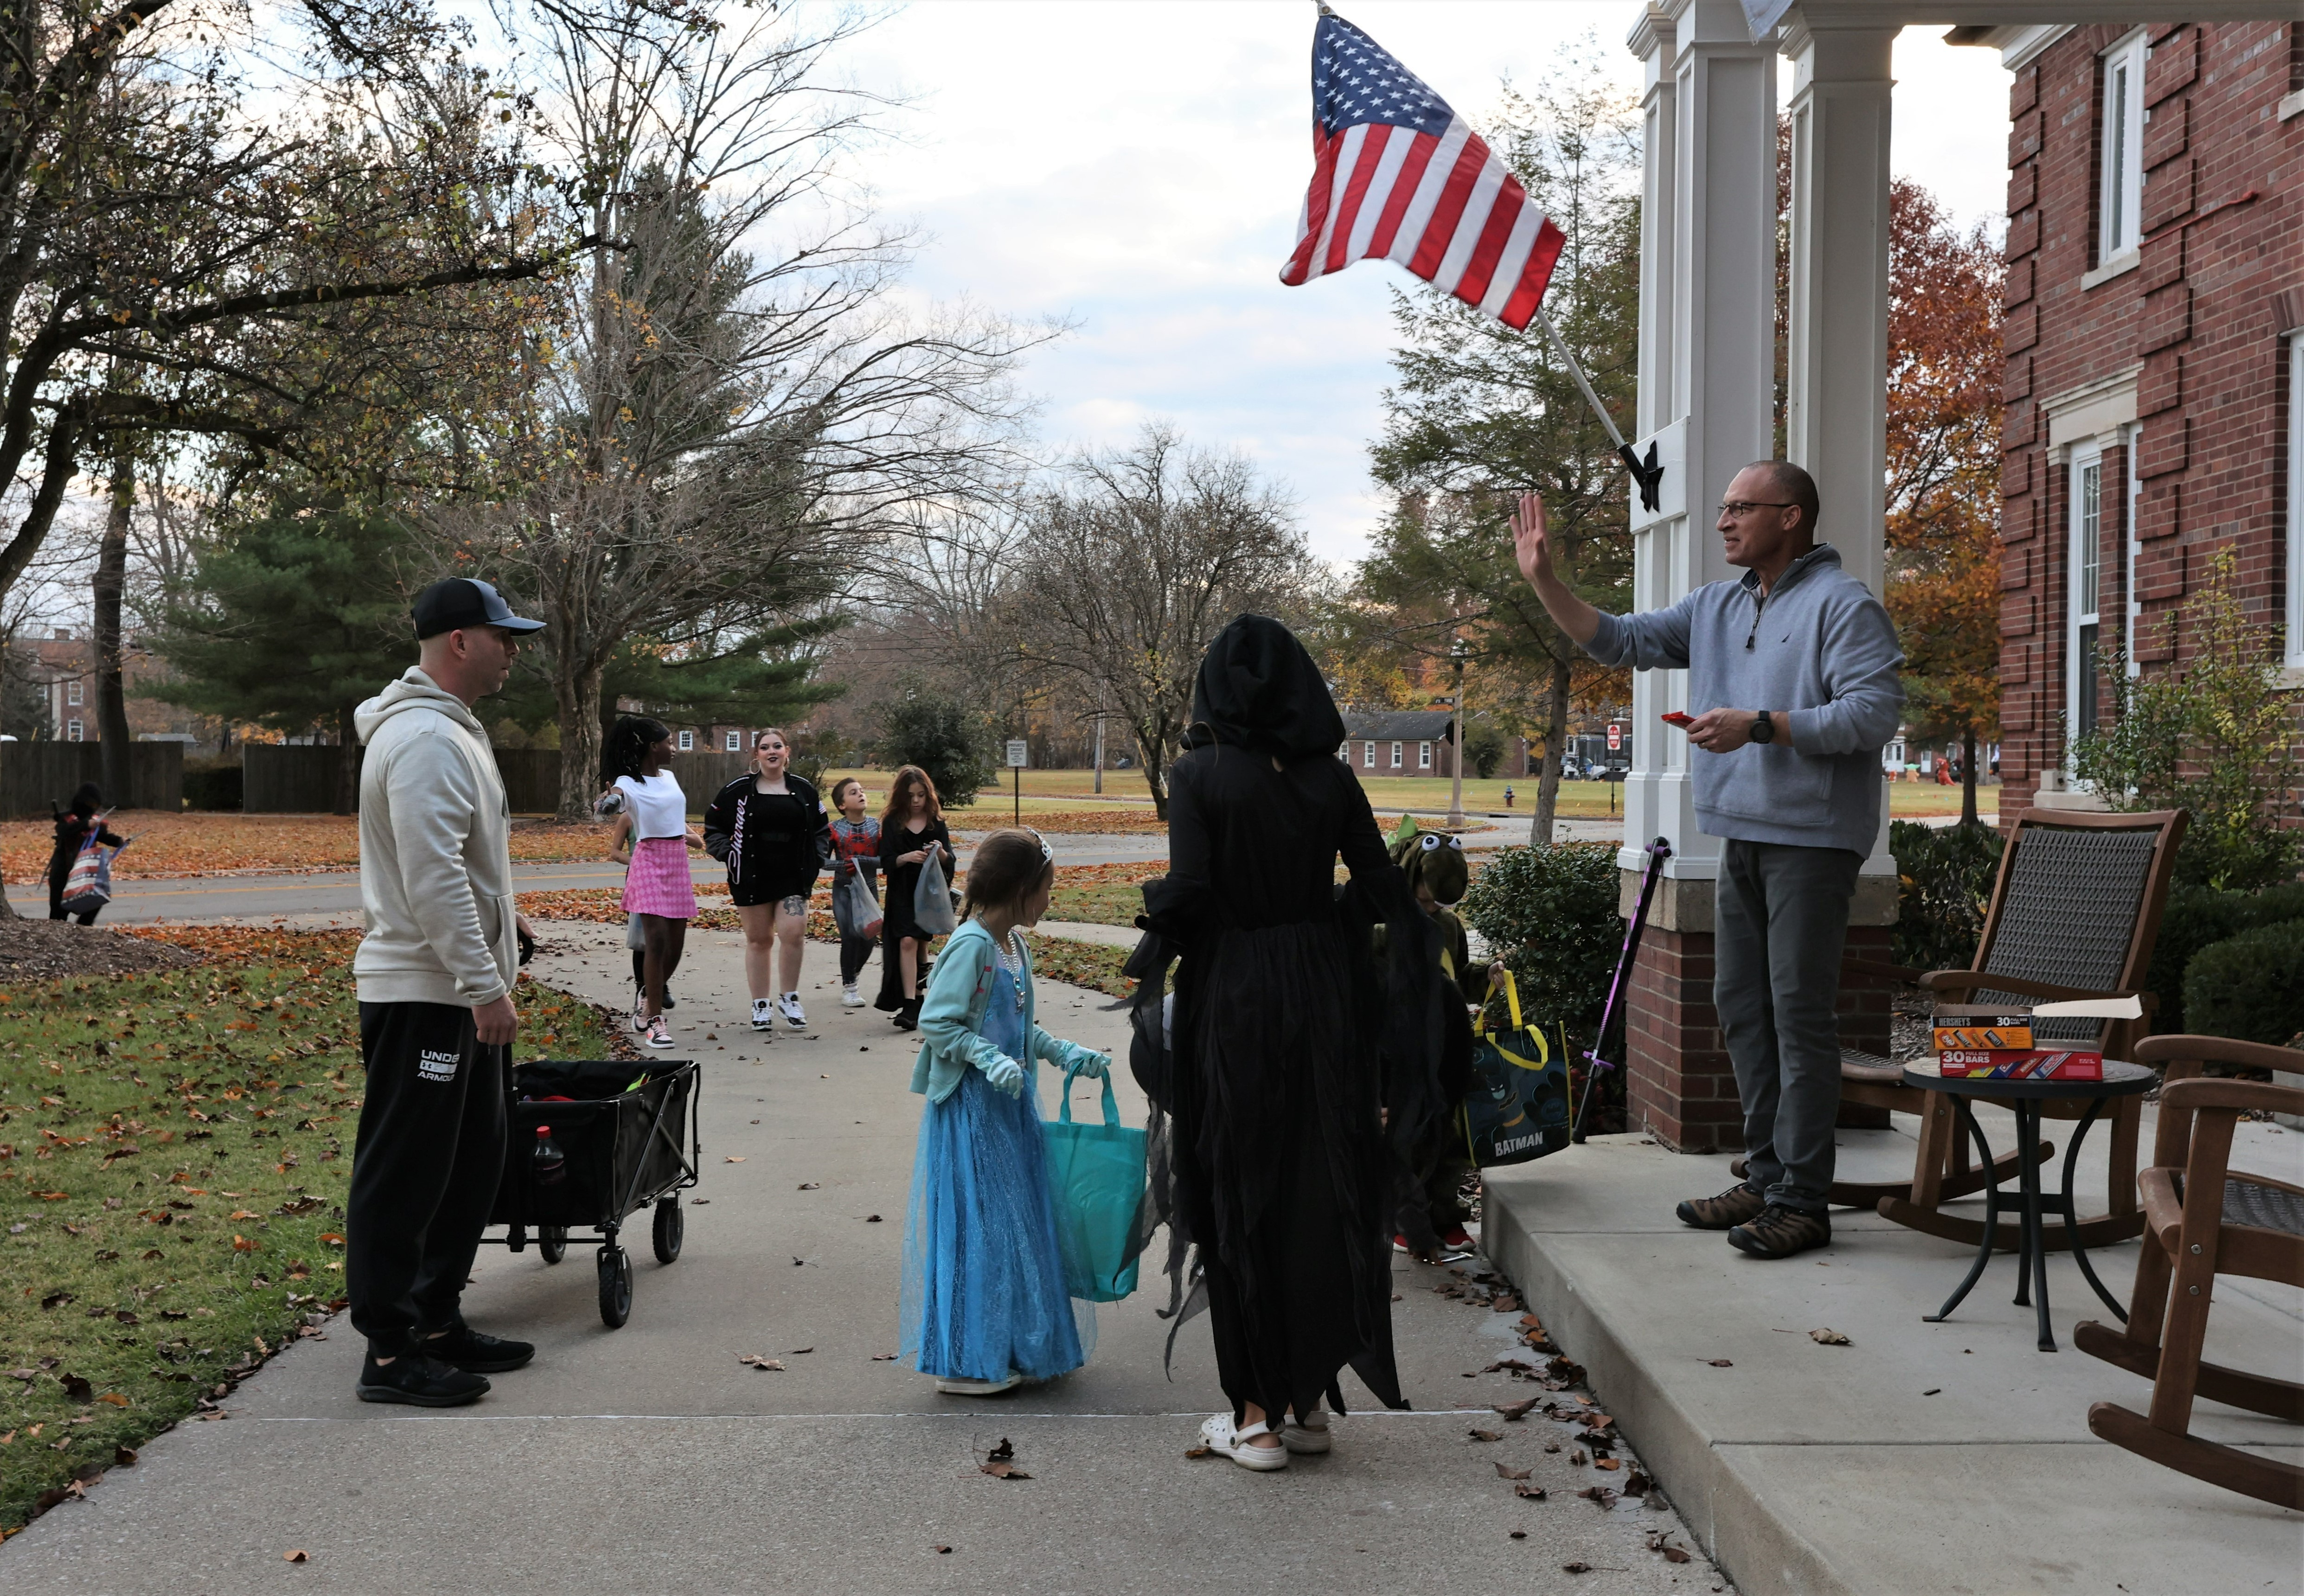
(550, 1164)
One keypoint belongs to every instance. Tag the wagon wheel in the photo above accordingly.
(615, 1286)
(552, 1241)
(670, 1227)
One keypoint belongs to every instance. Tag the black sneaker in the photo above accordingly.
(1780, 1232)
(476, 1352)
(419, 1380)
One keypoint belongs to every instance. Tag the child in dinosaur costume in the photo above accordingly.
(1429, 1210)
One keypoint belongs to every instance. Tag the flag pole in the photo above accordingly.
(1647, 473)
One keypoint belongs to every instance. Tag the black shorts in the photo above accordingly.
(749, 894)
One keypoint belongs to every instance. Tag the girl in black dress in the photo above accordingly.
(912, 829)
(1291, 1060)
(768, 826)
(72, 827)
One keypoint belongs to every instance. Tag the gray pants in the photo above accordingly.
(1779, 923)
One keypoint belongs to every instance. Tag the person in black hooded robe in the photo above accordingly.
(1284, 1052)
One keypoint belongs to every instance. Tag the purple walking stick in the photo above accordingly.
(1658, 851)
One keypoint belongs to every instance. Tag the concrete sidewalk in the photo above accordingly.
(1920, 1459)
(649, 1459)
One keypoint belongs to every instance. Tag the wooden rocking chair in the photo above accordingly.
(2074, 914)
(2203, 1220)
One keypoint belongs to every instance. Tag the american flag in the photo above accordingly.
(1399, 175)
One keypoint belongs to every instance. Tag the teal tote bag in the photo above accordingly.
(1095, 1181)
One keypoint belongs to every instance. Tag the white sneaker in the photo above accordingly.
(850, 998)
(1238, 1444)
(980, 1388)
(1308, 1435)
(763, 1017)
(789, 1005)
(659, 1034)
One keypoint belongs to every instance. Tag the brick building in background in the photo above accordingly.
(2154, 342)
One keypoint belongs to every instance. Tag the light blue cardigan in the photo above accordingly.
(952, 1017)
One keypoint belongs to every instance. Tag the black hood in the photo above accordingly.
(1259, 689)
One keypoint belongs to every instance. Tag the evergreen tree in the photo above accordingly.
(289, 621)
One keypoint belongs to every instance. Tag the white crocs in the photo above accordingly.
(1308, 1436)
(1237, 1443)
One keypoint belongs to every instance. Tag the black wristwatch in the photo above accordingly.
(1764, 728)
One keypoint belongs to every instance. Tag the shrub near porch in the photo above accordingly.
(175, 1152)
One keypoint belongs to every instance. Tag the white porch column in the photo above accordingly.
(1708, 360)
(1836, 413)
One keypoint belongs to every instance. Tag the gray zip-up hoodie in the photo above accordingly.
(1820, 645)
(436, 853)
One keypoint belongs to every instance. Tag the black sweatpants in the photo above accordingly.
(425, 1169)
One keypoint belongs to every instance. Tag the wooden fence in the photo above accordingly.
(300, 779)
(34, 775)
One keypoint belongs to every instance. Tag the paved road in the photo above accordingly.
(313, 896)
(649, 1459)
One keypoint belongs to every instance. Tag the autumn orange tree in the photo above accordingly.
(1943, 473)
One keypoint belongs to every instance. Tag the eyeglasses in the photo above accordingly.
(1738, 508)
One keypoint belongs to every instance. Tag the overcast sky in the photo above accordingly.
(1136, 166)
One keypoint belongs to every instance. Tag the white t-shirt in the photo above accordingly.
(658, 806)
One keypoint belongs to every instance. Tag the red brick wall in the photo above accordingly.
(2220, 279)
(1681, 1089)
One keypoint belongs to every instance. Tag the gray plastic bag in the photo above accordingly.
(932, 909)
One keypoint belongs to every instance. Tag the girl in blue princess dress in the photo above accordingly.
(984, 1305)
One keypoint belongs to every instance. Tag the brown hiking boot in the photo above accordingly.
(1781, 1231)
(1734, 1206)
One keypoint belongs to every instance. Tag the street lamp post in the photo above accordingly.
(1458, 654)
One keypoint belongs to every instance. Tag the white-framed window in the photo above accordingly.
(1396, 760)
(2119, 121)
(2083, 672)
(72, 692)
(688, 742)
(2133, 608)
(1424, 756)
(2296, 496)
(72, 732)
(735, 742)
(1367, 755)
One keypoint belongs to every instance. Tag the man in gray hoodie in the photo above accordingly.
(436, 970)
(1792, 687)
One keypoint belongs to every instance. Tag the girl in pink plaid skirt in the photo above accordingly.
(652, 839)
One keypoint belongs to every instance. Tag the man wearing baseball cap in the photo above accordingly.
(436, 970)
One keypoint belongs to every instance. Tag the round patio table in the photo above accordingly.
(2024, 1098)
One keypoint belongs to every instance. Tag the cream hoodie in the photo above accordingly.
(435, 858)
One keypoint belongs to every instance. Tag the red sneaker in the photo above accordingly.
(1457, 1236)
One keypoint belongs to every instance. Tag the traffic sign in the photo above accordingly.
(1018, 757)
(1616, 736)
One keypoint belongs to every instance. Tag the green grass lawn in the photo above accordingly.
(1068, 792)
(175, 1152)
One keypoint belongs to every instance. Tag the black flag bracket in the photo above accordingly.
(1646, 473)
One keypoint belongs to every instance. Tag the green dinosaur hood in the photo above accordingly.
(1433, 859)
